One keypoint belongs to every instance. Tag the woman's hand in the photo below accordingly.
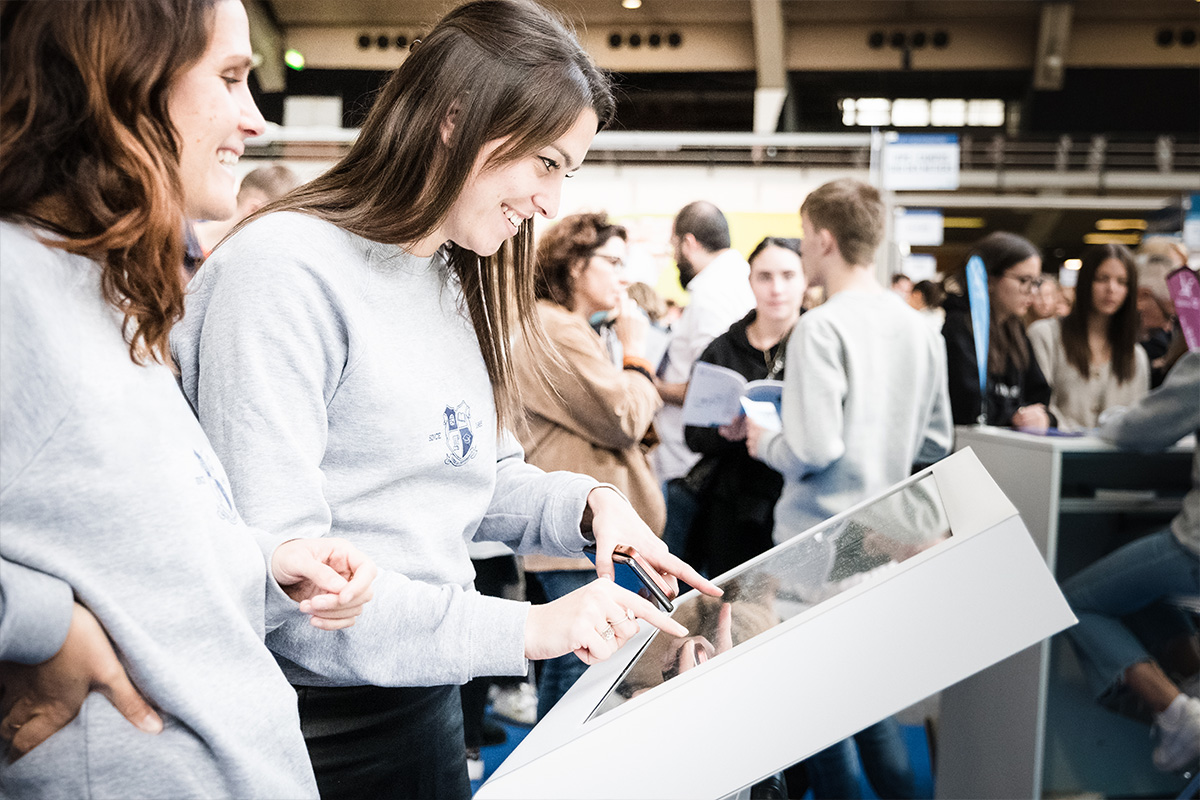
(593, 622)
(1032, 418)
(631, 327)
(734, 431)
(329, 578)
(37, 701)
(614, 522)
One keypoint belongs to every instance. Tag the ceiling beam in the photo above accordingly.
(1054, 38)
(771, 91)
(266, 42)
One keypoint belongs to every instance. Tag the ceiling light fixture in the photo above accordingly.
(631, 4)
(963, 222)
(1112, 238)
(1121, 225)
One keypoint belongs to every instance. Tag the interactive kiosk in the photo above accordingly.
(827, 633)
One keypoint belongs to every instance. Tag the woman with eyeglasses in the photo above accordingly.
(594, 416)
(1018, 395)
(1091, 356)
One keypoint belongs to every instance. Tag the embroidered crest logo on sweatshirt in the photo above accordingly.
(459, 436)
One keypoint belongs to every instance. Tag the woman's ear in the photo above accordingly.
(447, 128)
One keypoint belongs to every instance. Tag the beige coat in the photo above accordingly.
(596, 424)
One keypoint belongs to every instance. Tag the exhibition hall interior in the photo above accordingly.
(629, 398)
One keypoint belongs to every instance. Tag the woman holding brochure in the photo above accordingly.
(738, 493)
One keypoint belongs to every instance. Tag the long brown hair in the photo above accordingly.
(1122, 326)
(498, 68)
(1007, 342)
(87, 149)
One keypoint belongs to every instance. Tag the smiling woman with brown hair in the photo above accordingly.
(350, 352)
(122, 551)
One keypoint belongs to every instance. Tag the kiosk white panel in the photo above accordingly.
(816, 639)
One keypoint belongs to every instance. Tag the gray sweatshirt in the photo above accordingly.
(865, 398)
(109, 489)
(1160, 420)
(342, 385)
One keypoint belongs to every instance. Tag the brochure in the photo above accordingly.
(718, 395)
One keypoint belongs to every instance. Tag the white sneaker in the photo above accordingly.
(516, 704)
(1179, 743)
(474, 765)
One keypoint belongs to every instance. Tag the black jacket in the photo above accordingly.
(737, 506)
(1007, 390)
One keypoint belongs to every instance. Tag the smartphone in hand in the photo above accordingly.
(655, 589)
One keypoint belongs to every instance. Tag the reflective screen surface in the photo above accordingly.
(791, 579)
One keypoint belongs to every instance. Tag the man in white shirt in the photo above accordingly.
(717, 280)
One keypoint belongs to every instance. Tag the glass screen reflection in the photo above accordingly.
(801, 574)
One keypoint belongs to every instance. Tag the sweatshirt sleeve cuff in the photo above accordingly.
(278, 608)
(497, 639)
(566, 513)
(765, 444)
(35, 614)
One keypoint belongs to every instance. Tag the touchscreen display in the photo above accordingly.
(792, 578)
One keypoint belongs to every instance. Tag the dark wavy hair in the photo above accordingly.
(564, 247)
(501, 69)
(1122, 327)
(87, 149)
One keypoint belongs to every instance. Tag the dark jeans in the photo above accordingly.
(492, 577)
(835, 772)
(371, 742)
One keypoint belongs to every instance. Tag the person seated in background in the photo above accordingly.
(259, 187)
(864, 400)
(583, 413)
(1047, 302)
(1018, 394)
(926, 297)
(1091, 357)
(736, 493)
(1142, 573)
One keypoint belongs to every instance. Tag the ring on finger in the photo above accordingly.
(608, 633)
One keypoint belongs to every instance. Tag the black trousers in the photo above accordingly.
(369, 742)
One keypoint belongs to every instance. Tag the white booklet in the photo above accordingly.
(718, 395)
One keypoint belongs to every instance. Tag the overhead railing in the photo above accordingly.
(991, 161)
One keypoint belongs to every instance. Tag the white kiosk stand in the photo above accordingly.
(814, 640)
